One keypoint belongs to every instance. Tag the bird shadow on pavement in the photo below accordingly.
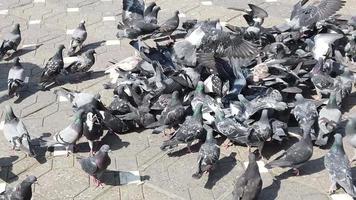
(271, 192)
(223, 167)
(89, 46)
(6, 164)
(23, 51)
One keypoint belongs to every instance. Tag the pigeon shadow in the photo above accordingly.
(89, 46)
(271, 192)
(6, 164)
(114, 141)
(224, 166)
(349, 102)
(23, 51)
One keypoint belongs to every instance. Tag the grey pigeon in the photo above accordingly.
(11, 41)
(253, 15)
(133, 23)
(52, 68)
(16, 78)
(350, 130)
(296, 155)
(305, 112)
(329, 119)
(22, 191)
(338, 166)
(69, 135)
(248, 186)
(149, 8)
(209, 154)
(304, 17)
(92, 127)
(189, 131)
(95, 166)
(261, 131)
(79, 99)
(152, 16)
(78, 37)
(16, 133)
(83, 63)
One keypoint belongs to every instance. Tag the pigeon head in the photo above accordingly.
(156, 9)
(17, 61)
(31, 179)
(9, 114)
(350, 128)
(16, 28)
(61, 47)
(176, 13)
(105, 148)
(299, 97)
(251, 158)
(82, 24)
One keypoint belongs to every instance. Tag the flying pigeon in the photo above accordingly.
(209, 154)
(52, 68)
(83, 63)
(78, 37)
(95, 166)
(249, 184)
(16, 78)
(295, 156)
(338, 166)
(329, 119)
(304, 17)
(16, 133)
(11, 41)
(22, 191)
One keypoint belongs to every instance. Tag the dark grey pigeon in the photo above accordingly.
(253, 15)
(53, 67)
(92, 127)
(16, 78)
(298, 154)
(261, 131)
(22, 191)
(149, 8)
(16, 133)
(78, 37)
(95, 166)
(169, 26)
(329, 119)
(189, 131)
(307, 16)
(248, 186)
(11, 41)
(152, 16)
(83, 63)
(69, 135)
(209, 154)
(339, 168)
(350, 131)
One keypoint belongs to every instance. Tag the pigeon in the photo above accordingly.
(133, 23)
(295, 156)
(16, 78)
(322, 44)
(78, 37)
(350, 131)
(69, 135)
(339, 168)
(322, 82)
(92, 127)
(254, 15)
(261, 131)
(95, 166)
(11, 41)
(249, 185)
(149, 8)
(305, 112)
(53, 67)
(152, 16)
(83, 63)
(190, 130)
(169, 26)
(304, 17)
(209, 154)
(22, 191)
(329, 119)
(16, 133)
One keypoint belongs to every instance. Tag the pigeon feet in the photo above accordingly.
(296, 171)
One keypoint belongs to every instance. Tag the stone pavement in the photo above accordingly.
(47, 23)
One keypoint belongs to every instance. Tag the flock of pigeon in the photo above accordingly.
(207, 78)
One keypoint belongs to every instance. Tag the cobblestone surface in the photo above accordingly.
(44, 25)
